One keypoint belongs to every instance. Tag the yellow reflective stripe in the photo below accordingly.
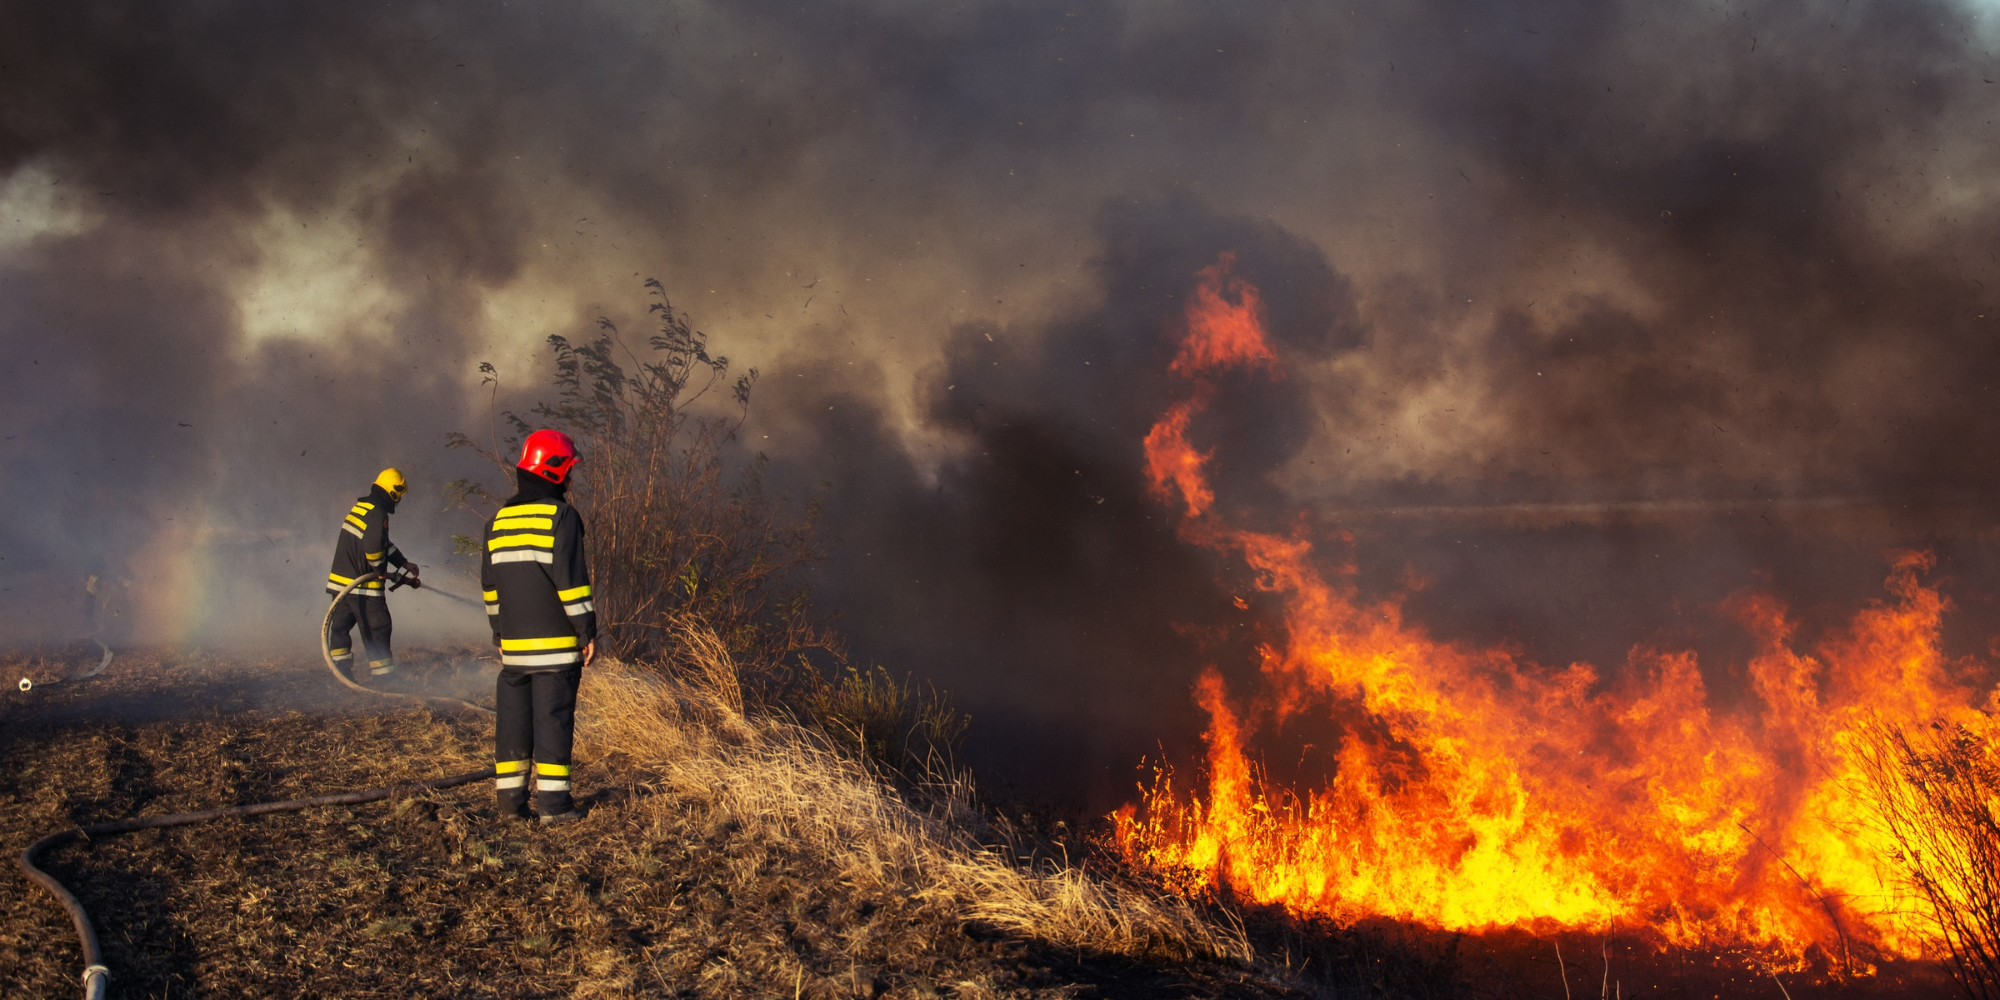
(363, 505)
(337, 578)
(510, 767)
(553, 770)
(519, 523)
(515, 541)
(357, 522)
(492, 596)
(523, 510)
(373, 557)
(573, 593)
(559, 642)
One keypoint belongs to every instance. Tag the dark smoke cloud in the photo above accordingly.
(1029, 569)
(1591, 314)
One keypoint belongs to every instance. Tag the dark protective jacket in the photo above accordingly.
(536, 582)
(363, 546)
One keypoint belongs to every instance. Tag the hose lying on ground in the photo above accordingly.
(94, 971)
(95, 974)
(101, 664)
(28, 684)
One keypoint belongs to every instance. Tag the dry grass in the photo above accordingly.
(788, 783)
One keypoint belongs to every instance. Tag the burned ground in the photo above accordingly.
(661, 892)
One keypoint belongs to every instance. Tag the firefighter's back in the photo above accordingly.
(538, 590)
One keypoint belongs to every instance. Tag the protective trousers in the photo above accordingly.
(372, 614)
(535, 721)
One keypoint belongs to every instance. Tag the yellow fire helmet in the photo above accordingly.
(391, 480)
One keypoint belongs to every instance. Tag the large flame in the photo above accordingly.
(1487, 792)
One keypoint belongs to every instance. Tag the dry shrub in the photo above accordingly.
(1936, 792)
(897, 725)
(790, 783)
(678, 524)
(692, 562)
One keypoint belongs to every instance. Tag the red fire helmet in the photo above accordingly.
(548, 454)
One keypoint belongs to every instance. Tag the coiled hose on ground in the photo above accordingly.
(326, 654)
(27, 684)
(95, 974)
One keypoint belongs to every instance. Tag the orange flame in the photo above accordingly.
(1221, 334)
(1494, 793)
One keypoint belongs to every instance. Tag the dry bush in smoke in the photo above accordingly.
(1936, 792)
(790, 784)
(910, 728)
(687, 548)
(675, 528)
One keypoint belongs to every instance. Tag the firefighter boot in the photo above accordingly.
(510, 788)
(552, 797)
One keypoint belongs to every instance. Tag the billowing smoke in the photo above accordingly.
(1591, 315)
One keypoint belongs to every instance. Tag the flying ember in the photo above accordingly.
(1488, 792)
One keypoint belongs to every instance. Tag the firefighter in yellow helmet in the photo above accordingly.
(362, 547)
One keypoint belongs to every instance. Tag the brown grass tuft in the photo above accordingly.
(789, 783)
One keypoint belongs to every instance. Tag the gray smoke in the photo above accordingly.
(1591, 315)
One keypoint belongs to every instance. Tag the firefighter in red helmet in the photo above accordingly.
(537, 590)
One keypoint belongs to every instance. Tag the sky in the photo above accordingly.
(1590, 314)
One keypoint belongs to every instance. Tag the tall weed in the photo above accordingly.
(680, 525)
(1936, 791)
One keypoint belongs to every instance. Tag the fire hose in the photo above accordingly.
(326, 651)
(94, 971)
(95, 974)
(28, 684)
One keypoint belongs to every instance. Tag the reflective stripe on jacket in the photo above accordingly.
(363, 546)
(536, 583)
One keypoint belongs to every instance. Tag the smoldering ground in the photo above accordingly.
(1591, 315)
